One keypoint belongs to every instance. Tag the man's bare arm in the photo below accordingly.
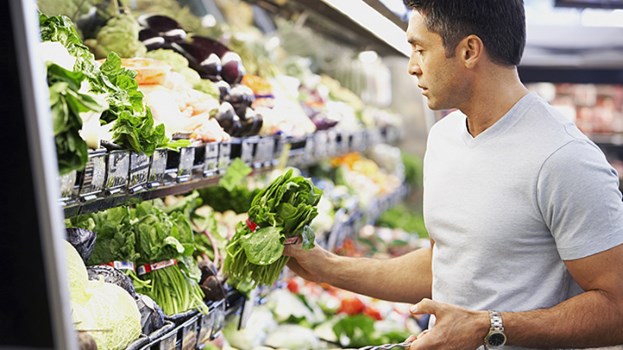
(407, 278)
(591, 319)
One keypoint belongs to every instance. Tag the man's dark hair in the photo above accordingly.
(500, 24)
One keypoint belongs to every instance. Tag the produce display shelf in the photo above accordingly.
(188, 331)
(116, 177)
(348, 221)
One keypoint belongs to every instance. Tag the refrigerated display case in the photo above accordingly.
(114, 177)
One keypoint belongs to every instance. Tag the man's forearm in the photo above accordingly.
(591, 319)
(403, 279)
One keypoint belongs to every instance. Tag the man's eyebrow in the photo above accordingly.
(414, 41)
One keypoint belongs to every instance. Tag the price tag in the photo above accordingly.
(320, 143)
(68, 186)
(157, 169)
(139, 172)
(374, 138)
(218, 319)
(185, 167)
(246, 150)
(224, 156)
(331, 143)
(118, 169)
(308, 153)
(93, 176)
(210, 163)
(264, 152)
(342, 142)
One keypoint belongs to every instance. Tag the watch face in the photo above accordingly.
(496, 339)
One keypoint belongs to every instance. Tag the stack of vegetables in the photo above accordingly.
(104, 310)
(158, 244)
(283, 210)
(105, 97)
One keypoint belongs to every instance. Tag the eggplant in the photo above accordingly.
(212, 65)
(159, 23)
(151, 39)
(210, 284)
(224, 89)
(83, 240)
(258, 121)
(236, 128)
(233, 69)
(247, 123)
(225, 116)
(241, 97)
(209, 44)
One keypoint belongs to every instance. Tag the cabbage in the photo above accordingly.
(110, 315)
(105, 310)
(77, 274)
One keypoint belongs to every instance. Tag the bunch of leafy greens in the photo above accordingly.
(282, 210)
(160, 237)
(360, 331)
(232, 192)
(134, 125)
(115, 240)
(67, 102)
(147, 234)
(207, 237)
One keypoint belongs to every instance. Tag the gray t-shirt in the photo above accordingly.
(507, 207)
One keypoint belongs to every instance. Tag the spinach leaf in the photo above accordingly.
(264, 246)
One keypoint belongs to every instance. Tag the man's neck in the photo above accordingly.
(492, 98)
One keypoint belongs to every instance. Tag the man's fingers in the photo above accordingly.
(426, 306)
(292, 249)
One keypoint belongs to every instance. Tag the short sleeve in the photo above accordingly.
(580, 201)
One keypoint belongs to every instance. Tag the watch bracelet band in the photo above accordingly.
(496, 325)
(496, 321)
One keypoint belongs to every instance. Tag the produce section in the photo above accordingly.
(153, 133)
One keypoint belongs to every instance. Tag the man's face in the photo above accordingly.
(439, 77)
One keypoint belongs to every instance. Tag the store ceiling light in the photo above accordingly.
(368, 56)
(373, 22)
(602, 18)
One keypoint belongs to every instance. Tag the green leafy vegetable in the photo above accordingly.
(162, 236)
(283, 209)
(115, 240)
(134, 125)
(67, 102)
(232, 193)
(360, 331)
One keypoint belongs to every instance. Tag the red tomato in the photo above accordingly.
(374, 313)
(351, 306)
(293, 287)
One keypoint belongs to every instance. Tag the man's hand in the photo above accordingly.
(307, 263)
(455, 328)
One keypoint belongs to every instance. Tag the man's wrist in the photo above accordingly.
(483, 322)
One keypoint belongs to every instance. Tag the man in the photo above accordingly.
(524, 212)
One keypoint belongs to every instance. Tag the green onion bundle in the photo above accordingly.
(283, 210)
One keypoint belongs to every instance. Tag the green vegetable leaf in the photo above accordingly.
(264, 246)
(235, 173)
(358, 329)
(308, 237)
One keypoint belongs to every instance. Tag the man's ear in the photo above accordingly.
(471, 50)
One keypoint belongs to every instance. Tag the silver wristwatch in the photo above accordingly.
(496, 337)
